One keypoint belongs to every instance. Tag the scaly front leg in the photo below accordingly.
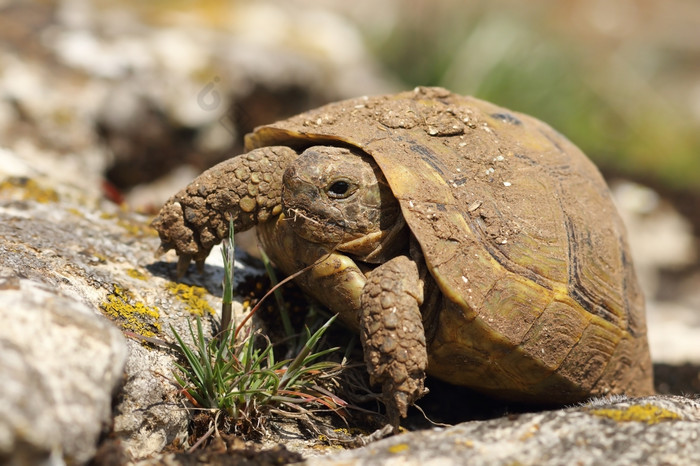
(246, 189)
(392, 334)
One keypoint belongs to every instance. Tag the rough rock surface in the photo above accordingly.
(135, 90)
(653, 430)
(60, 365)
(69, 261)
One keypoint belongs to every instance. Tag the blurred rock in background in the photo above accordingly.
(131, 90)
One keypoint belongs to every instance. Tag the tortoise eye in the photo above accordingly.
(340, 189)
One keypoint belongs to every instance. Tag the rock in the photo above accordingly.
(149, 415)
(131, 92)
(60, 365)
(615, 431)
(71, 264)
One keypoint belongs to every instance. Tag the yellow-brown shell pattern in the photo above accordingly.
(519, 231)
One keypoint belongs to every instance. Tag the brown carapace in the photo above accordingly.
(459, 238)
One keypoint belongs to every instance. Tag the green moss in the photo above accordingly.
(26, 189)
(192, 296)
(131, 315)
(638, 413)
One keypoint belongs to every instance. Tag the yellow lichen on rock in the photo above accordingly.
(130, 314)
(192, 296)
(133, 227)
(26, 189)
(133, 273)
(648, 413)
(398, 448)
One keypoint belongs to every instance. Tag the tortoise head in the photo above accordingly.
(339, 197)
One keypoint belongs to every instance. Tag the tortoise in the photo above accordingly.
(461, 239)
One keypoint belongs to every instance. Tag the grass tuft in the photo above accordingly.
(235, 373)
(242, 378)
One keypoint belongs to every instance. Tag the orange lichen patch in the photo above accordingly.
(192, 296)
(26, 189)
(638, 413)
(130, 314)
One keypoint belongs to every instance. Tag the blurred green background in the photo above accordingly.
(621, 78)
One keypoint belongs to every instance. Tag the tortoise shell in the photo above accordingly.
(539, 299)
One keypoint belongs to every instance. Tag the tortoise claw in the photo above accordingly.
(162, 249)
(183, 263)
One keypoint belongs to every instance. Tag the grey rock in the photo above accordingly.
(134, 92)
(655, 430)
(60, 364)
(68, 261)
(149, 415)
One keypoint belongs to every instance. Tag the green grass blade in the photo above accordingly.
(227, 251)
(298, 361)
(284, 314)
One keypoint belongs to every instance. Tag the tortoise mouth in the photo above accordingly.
(318, 228)
(373, 247)
(380, 246)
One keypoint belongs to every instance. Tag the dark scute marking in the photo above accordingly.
(586, 300)
(504, 260)
(527, 159)
(632, 317)
(557, 171)
(428, 157)
(582, 295)
(440, 207)
(515, 268)
(507, 117)
(554, 142)
(460, 181)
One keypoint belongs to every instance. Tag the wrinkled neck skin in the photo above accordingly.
(338, 199)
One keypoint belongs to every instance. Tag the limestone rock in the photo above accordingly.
(75, 271)
(60, 365)
(617, 431)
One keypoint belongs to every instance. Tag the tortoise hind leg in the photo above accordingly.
(392, 334)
